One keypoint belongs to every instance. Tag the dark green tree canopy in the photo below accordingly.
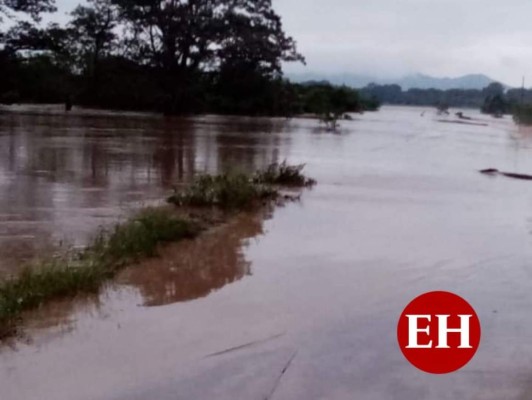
(253, 37)
(25, 36)
(173, 34)
(200, 33)
(31, 7)
(94, 25)
(176, 56)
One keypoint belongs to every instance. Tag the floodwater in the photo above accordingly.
(63, 177)
(314, 288)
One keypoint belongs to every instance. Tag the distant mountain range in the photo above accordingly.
(415, 81)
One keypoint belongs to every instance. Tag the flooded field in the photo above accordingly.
(298, 302)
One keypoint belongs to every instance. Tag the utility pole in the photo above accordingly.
(523, 92)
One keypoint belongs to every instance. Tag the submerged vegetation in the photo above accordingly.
(332, 103)
(227, 191)
(140, 236)
(237, 190)
(283, 174)
(112, 250)
(87, 270)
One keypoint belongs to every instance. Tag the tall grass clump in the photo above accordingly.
(86, 271)
(237, 190)
(284, 175)
(227, 191)
(36, 284)
(140, 236)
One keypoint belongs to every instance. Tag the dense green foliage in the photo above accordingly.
(495, 102)
(523, 114)
(174, 56)
(32, 7)
(323, 98)
(221, 56)
(520, 104)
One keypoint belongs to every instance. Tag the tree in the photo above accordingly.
(178, 38)
(32, 7)
(9, 63)
(495, 102)
(185, 39)
(26, 37)
(252, 47)
(179, 56)
(38, 66)
(93, 27)
(253, 39)
(493, 89)
(495, 105)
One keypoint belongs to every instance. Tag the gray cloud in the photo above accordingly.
(394, 37)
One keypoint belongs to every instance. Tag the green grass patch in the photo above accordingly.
(239, 191)
(227, 191)
(86, 271)
(140, 237)
(283, 174)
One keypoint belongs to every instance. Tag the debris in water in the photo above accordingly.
(243, 346)
(493, 171)
(278, 381)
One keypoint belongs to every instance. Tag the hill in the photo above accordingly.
(415, 81)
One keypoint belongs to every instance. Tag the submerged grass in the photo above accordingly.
(86, 271)
(227, 191)
(284, 175)
(110, 251)
(237, 190)
(140, 237)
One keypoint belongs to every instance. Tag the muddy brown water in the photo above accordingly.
(318, 285)
(61, 177)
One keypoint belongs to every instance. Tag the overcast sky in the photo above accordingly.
(390, 38)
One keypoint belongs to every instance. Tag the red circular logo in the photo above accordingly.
(439, 332)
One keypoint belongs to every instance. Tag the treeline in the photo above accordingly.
(491, 99)
(178, 57)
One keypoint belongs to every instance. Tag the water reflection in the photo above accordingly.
(182, 272)
(58, 318)
(193, 269)
(63, 176)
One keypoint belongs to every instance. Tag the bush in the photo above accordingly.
(283, 174)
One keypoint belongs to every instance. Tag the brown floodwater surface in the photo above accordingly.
(62, 176)
(314, 288)
(192, 269)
